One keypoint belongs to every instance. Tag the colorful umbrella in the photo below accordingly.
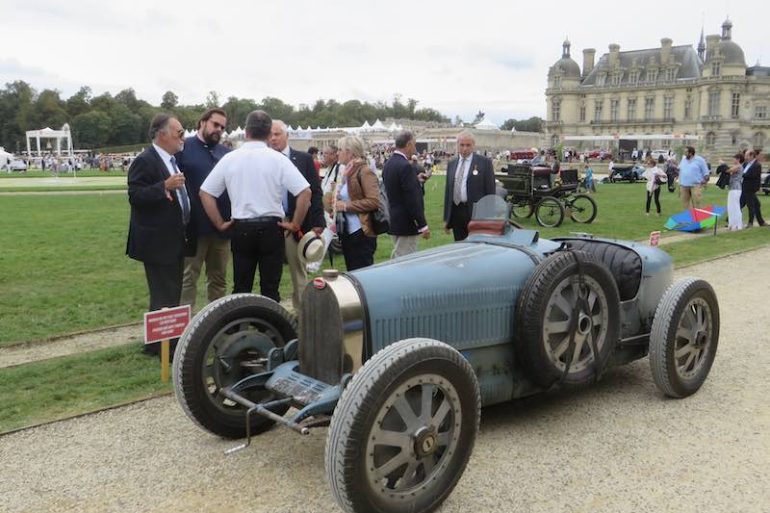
(694, 219)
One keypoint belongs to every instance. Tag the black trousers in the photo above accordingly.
(459, 217)
(358, 249)
(165, 284)
(258, 244)
(749, 199)
(654, 194)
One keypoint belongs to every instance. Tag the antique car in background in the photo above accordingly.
(626, 173)
(398, 358)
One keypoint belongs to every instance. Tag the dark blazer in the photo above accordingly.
(752, 177)
(156, 232)
(481, 182)
(315, 214)
(405, 201)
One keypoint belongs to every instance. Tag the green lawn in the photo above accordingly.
(64, 270)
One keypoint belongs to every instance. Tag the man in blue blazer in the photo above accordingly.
(469, 178)
(405, 197)
(160, 209)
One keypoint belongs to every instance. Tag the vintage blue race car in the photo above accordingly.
(398, 358)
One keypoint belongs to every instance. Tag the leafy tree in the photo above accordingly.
(49, 109)
(91, 129)
(80, 102)
(169, 101)
(212, 100)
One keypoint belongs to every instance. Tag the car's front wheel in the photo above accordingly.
(403, 429)
(684, 337)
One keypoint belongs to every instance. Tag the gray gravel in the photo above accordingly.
(614, 447)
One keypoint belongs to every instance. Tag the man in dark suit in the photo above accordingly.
(469, 178)
(405, 198)
(314, 220)
(160, 209)
(752, 176)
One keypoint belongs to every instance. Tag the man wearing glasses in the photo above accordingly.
(205, 244)
(160, 210)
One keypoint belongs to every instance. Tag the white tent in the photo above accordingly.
(5, 157)
(393, 127)
(366, 126)
(378, 126)
(485, 125)
(49, 133)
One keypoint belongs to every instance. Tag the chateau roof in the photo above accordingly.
(684, 55)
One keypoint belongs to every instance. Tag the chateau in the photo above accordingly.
(661, 98)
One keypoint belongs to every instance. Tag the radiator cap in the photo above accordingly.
(330, 274)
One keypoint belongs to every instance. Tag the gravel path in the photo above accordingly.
(614, 447)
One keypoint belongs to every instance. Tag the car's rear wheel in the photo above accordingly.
(227, 341)
(684, 337)
(567, 319)
(549, 212)
(403, 429)
(582, 209)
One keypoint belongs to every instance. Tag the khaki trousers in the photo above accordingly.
(404, 245)
(690, 196)
(297, 271)
(214, 251)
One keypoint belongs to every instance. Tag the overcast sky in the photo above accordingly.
(457, 57)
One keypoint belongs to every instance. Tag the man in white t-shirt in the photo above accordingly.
(256, 179)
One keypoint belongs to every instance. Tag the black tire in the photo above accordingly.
(544, 315)
(375, 417)
(228, 340)
(582, 209)
(522, 209)
(549, 212)
(684, 337)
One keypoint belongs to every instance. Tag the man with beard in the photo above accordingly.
(205, 243)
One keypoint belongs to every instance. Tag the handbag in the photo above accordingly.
(380, 218)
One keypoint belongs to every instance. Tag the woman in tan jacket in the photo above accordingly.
(357, 196)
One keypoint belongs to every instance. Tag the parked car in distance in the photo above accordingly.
(626, 172)
(659, 153)
(766, 182)
(17, 165)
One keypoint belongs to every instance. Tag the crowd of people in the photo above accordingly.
(195, 203)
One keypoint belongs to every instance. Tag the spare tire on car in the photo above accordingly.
(567, 320)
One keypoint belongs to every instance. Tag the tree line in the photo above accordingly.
(122, 119)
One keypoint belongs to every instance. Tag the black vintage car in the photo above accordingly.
(626, 173)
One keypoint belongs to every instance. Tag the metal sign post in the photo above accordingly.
(163, 325)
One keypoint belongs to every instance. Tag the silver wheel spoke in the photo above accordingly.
(562, 304)
(427, 401)
(392, 464)
(558, 326)
(404, 409)
(596, 320)
(579, 341)
(443, 439)
(592, 297)
(684, 333)
(408, 477)
(441, 413)
(562, 347)
(688, 363)
(392, 438)
(685, 349)
(428, 464)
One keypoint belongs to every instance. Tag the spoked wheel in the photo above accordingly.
(227, 341)
(582, 208)
(403, 430)
(567, 319)
(522, 209)
(549, 212)
(684, 337)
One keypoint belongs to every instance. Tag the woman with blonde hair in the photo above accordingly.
(357, 196)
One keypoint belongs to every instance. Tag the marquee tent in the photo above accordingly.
(48, 133)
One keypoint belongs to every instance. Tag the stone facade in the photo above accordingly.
(661, 98)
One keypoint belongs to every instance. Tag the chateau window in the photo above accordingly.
(616, 78)
(759, 140)
(633, 77)
(734, 138)
(668, 108)
(582, 112)
(711, 139)
(760, 111)
(670, 74)
(556, 110)
(614, 108)
(716, 67)
(688, 108)
(714, 98)
(631, 114)
(557, 81)
(652, 75)
(598, 106)
(601, 78)
(649, 108)
(735, 108)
